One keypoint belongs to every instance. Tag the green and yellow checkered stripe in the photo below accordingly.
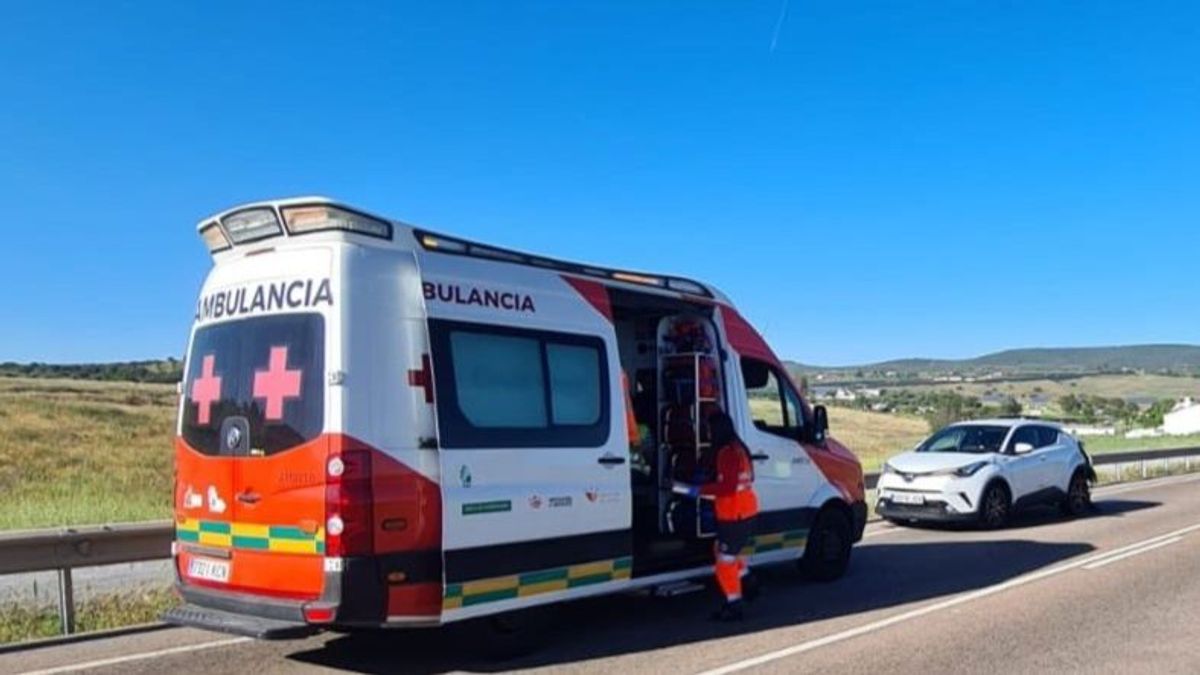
(535, 583)
(251, 536)
(765, 543)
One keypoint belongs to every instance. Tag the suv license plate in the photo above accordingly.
(209, 570)
(908, 498)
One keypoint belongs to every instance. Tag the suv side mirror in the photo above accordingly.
(819, 429)
(1022, 448)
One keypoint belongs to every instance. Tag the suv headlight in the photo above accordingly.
(969, 470)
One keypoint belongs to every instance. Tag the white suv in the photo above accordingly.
(982, 470)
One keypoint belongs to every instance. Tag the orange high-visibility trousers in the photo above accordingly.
(730, 567)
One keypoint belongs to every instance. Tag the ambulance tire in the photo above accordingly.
(827, 552)
(512, 635)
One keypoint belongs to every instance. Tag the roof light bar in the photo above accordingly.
(214, 238)
(637, 278)
(436, 242)
(685, 286)
(324, 217)
(251, 224)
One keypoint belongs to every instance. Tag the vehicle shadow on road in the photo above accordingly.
(881, 575)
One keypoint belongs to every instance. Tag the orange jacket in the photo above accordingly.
(733, 490)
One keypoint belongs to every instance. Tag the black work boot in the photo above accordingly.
(730, 611)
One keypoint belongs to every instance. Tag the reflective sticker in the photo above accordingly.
(276, 383)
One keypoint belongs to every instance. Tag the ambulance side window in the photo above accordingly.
(504, 387)
(774, 406)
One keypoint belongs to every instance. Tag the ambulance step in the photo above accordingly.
(261, 628)
(676, 588)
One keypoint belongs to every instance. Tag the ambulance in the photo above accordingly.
(383, 426)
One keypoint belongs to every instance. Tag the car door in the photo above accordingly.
(1058, 451)
(1026, 471)
(534, 464)
(785, 478)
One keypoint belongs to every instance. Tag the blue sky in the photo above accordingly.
(867, 180)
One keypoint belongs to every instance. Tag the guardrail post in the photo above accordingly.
(1143, 469)
(66, 601)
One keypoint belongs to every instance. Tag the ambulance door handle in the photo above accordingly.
(760, 457)
(248, 497)
(611, 460)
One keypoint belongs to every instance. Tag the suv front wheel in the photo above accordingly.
(1079, 496)
(994, 507)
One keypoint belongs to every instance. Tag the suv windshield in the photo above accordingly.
(269, 370)
(973, 438)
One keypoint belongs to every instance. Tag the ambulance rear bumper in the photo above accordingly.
(261, 628)
(251, 616)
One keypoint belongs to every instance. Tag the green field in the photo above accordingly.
(75, 452)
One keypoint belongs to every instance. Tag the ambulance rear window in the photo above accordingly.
(269, 370)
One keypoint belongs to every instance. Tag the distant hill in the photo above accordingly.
(164, 370)
(1154, 358)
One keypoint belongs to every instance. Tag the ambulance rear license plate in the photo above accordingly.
(908, 498)
(209, 570)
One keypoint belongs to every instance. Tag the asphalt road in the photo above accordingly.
(1116, 592)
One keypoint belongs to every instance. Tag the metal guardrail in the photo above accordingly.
(64, 549)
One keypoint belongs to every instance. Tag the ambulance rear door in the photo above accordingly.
(533, 449)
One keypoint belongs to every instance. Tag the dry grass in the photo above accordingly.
(875, 436)
(75, 452)
(1108, 386)
(872, 436)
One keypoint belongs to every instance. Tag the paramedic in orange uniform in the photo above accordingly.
(736, 505)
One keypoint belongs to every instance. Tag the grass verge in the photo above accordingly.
(20, 622)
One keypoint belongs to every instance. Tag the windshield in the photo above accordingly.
(269, 370)
(973, 438)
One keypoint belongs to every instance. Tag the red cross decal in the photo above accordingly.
(423, 378)
(276, 383)
(206, 389)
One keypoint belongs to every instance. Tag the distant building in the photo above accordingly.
(1089, 430)
(845, 395)
(870, 393)
(1183, 420)
(1143, 433)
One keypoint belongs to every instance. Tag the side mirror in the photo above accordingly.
(1023, 448)
(819, 428)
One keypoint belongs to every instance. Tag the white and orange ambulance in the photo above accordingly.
(384, 426)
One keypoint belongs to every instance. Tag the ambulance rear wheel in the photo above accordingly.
(827, 552)
(511, 635)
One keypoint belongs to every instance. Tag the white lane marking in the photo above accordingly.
(889, 529)
(1129, 554)
(117, 660)
(809, 646)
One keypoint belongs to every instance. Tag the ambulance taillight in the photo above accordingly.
(348, 503)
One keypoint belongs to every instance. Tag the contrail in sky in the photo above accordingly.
(783, 8)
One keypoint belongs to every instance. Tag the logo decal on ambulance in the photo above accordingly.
(192, 499)
(215, 503)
